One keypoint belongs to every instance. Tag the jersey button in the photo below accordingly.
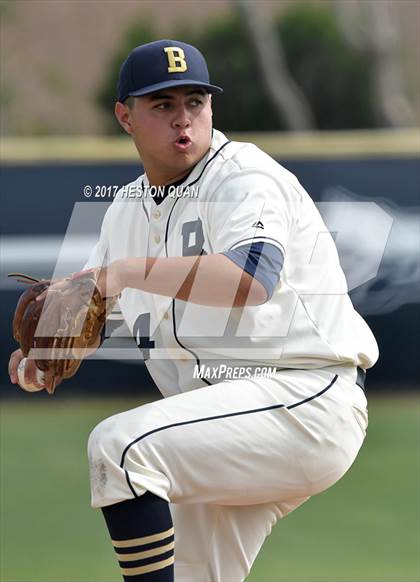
(157, 238)
(166, 315)
(156, 214)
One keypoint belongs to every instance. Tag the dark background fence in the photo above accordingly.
(38, 201)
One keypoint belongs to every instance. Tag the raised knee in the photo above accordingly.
(112, 436)
(119, 467)
(102, 440)
(107, 478)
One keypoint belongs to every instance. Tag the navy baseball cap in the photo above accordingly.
(162, 64)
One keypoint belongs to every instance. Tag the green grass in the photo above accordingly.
(365, 529)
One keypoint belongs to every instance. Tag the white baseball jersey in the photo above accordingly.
(236, 195)
(234, 457)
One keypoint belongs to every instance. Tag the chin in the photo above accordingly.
(186, 160)
(198, 153)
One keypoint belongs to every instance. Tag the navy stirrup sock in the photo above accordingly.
(142, 534)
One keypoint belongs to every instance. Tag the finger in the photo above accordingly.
(48, 292)
(51, 290)
(52, 381)
(57, 382)
(41, 296)
(32, 374)
(14, 360)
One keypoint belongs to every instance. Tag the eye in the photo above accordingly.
(162, 106)
(196, 102)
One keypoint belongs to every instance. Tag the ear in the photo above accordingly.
(123, 115)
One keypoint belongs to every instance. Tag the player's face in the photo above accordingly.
(171, 130)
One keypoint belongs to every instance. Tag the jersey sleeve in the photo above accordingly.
(250, 218)
(262, 261)
(250, 207)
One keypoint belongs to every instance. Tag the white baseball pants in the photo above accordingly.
(231, 459)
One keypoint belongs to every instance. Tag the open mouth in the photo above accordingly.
(183, 141)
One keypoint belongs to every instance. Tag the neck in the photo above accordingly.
(158, 179)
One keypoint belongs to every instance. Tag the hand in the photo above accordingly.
(108, 281)
(30, 370)
(65, 319)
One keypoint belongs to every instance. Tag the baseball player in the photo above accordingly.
(232, 288)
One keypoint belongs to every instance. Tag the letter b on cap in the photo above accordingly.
(176, 59)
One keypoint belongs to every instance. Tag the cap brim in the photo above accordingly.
(174, 83)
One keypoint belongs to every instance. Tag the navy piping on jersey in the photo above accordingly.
(218, 417)
(182, 345)
(157, 200)
(188, 185)
(166, 251)
(144, 207)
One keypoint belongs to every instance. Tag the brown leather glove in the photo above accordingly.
(63, 326)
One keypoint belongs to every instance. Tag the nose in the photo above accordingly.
(181, 119)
